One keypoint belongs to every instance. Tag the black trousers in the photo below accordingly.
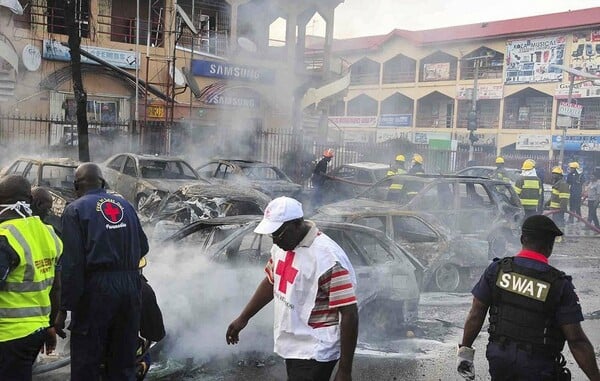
(17, 356)
(309, 370)
(574, 206)
(592, 216)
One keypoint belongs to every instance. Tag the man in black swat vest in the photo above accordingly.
(533, 310)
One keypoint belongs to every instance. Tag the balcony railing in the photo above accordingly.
(364, 78)
(123, 29)
(434, 122)
(399, 76)
(208, 41)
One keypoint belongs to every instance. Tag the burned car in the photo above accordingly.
(453, 263)
(258, 175)
(485, 208)
(191, 203)
(54, 174)
(388, 276)
(349, 180)
(136, 177)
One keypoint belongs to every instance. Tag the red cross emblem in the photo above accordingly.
(112, 212)
(286, 272)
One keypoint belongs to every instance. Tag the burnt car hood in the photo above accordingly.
(194, 202)
(171, 185)
(356, 206)
(279, 186)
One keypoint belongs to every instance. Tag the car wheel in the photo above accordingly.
(498, 243)
(447, 278)
(140, 200)
(381, 319)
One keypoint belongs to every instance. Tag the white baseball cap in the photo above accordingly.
(279, 211)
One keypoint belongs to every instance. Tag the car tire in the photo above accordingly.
(498, 244)
(381, 320)
(448, 278)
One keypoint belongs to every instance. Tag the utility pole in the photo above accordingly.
(72, 18)
(563, 142)
(472, 116)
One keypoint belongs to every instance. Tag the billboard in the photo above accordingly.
(483, 92)
(530, 142)
(585, 52)
(395, 120)
(577, 143)
(529, 60)
(55, 51)
(436, 71)
(354, 121)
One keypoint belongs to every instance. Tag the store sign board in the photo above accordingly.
(353, 121)
(436, 71)
(484, 139)
(395, 120)
(55, 51)
(570, 109)
(483, 92)
(577, 143)
(563, 121)
(229, 71)
(427, 137)
(580, 90)
(390, 134)
(585, 52)
(531, 60)
(529, 142)
(222, 94)
(155, 111)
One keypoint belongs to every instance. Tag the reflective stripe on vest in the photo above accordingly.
(530, 193)
(25, 298)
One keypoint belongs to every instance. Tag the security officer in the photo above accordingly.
(559, 199)
(575, 179)
(529, 188)
(104, 243)
(29, 251)
(395, 190)
(417, 165)
(533, 309)
(500, 172)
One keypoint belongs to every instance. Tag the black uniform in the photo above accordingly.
(529, 301)
(318, 179)
(103, 244)
(417, 168)
(575, 181)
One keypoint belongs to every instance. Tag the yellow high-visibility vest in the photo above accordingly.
(25, 297)
(399, 171)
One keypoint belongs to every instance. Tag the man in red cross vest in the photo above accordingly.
(312, 283)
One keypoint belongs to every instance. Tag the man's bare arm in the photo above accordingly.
(262, 296)
(474, 322)
(349, 334)
(582, 350)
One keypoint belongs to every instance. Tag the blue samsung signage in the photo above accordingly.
(395, 120)
(577, 143)
(232, 72)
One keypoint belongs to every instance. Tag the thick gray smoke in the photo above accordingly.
(199, 299)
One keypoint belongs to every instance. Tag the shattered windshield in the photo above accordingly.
(163, 169)
(57, 176)
(262, 173)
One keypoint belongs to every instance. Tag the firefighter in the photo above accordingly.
(318, 177)
(533, 310)
(395, 190)
(529, 188)
(104, 243)
(417, 165)
(560, 197)
(29, 252)
(500, 172)
(575, 179)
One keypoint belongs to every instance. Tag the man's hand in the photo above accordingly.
(50, 342)
(343, 376)
(59, 324)
(233, 331)
(464, 362)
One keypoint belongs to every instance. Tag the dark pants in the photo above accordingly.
(309, 370)
(511, 363)
(105, 329)
(574, 206)
(17, 356)
(592, 216)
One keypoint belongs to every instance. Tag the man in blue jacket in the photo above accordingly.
(101, 286)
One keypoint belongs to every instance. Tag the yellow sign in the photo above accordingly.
(155, 111)
(523, 285)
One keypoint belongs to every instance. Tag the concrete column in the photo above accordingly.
(329, 20)
(500, 125)
(290, 37)
(233, 27)
(301, 43)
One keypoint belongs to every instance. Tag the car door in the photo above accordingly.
(32, 173)
(128, 179)
(417, 237)
(208, 171)
(112, 172)
(440, 199)
(18, 168)
(476, 209)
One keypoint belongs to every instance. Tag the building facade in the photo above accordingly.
(199, 70)
(419, 85)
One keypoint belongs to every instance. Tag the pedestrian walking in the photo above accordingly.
(559, 199)
(575, 179)
(101, 285)
(593, 197)
(529, 188)
(312, 283)
(29, 251)
(318, 177)
(533, 310)
(417, 165)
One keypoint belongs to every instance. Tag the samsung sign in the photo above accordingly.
(232, 72)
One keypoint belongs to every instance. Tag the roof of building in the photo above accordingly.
(481, 31)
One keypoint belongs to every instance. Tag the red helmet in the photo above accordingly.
(328, 152)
